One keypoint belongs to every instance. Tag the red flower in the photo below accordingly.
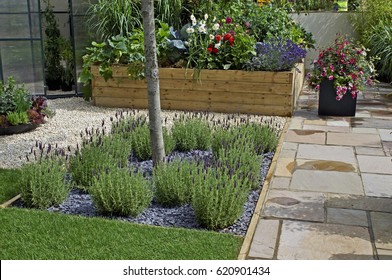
(231, 41)
(209, 49)
(218, 38)
(215, 50)
(227, 36)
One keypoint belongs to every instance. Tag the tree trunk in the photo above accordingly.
(152, 77)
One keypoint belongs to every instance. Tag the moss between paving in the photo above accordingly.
(31, 234)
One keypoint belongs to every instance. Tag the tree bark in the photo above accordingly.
(152, 77)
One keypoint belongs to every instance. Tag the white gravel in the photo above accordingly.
(73, 115)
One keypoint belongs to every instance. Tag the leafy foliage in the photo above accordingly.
(120, 191)
(108, 18)
(380, 42)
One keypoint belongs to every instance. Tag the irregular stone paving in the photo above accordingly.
(330, 195)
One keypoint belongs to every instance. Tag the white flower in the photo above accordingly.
(217, 46)
(193, 18)
(206, 16)
(190, 30)
(202, 29)
(215, 27)
(214, 19)
(186, 43)
(202, 22)
(212, 36)
(194, 22)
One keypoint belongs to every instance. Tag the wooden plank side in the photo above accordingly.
(213, 75)
(190, 96)
(210, 86)
(196, 106)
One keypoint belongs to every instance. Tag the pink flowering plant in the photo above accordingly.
(218, 44)
(344, 63)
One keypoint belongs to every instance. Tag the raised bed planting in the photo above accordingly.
(225, 91)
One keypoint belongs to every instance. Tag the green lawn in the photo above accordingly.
(8, 184)
(32, 234)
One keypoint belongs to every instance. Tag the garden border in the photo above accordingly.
(257, 212)
(222, 91)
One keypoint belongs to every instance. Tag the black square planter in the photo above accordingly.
(329, 106)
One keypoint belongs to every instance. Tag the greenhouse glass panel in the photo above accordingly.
(20, 43)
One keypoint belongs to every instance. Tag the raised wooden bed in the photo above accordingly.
(226, 91)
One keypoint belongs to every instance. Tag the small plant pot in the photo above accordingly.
(329, 106)
(16, 129)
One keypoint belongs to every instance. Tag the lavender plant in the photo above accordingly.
(191, 134)
(276, 55)
(121, 191)
(174, 182)
(218, 197)
(43, 182)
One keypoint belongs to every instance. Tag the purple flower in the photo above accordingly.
(229, 20)
(330, 78)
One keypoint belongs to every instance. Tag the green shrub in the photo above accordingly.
(120, 191)
(191, 134)
(261, 138)
(16, 117)
(218, 198)
(173, 182)
(380, 42)
(103, 151)
(43, 183)
(141, 145)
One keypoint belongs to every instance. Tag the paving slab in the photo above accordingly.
(359, 202)
(387, 148)
(375, 164)
(296, 123)
(305, 136)
(315, 122)
(325, 165)
(327, 181)
(327, 128)
(369, 151)
(353, 139)
(371, 122)
(306, 206)
(315, 241)
(347, 217)
(322, 152)
(382, 229)
(341, 122)
(384, 254)
(264, 240)
(285, 167)
(280, 183)
(365, 130)
(385, 134)
(378, 185)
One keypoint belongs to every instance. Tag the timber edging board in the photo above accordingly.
(225, 91)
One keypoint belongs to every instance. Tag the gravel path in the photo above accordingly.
(74, 115)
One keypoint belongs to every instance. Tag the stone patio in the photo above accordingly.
(330, 191)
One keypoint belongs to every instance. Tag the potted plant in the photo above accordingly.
(52, 48)
(339, 73)
(19, 111)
